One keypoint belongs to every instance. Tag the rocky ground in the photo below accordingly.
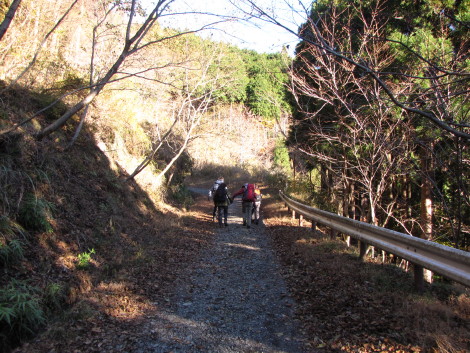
(233, 299)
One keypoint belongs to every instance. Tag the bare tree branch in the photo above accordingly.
(131, 45)
(9, 17)
(41, 45)
(319, 41)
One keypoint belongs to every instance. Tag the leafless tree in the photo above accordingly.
(367, 146)
(447, 76)
(191, 103)
(41, 45)
(136, 39)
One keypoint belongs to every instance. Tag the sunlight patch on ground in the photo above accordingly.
(243, 246)
(116, 299)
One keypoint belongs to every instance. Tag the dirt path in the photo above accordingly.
(232, 300)
(189, 286)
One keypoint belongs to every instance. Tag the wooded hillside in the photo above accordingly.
(104, 112)
(381, 122)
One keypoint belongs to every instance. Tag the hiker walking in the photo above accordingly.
(248, 198)
(210, 195)
(256, 206)
(221, 202)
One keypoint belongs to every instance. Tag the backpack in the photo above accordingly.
(249, 193)
(220, 195)
(214, 188)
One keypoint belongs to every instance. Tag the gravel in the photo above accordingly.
(233, 299)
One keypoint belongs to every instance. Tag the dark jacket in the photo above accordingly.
(227, 200)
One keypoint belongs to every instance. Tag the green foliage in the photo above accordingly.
(232, 77)
(54, 296)
(10, 229)
(20, 312)
(266, 92)
(257, 80)
(281, 157)
(181, 195)
(84, 258)
(11, 252)
(35, 214)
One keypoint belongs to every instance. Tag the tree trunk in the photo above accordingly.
(407, 197)
(9, 17)
(67, 115)
(426, 209)
(458, 195)
(87, 100)
(426, 195)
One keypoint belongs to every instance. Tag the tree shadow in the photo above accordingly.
(138, 248)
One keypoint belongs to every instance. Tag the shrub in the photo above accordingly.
(56, 107)
(10, 229)
(281, 157)
(182, 196)
(11, 252)
(277, 180)
(54, 296)
(20, 313)
(84, 259)
(35, 214)
(332, 247)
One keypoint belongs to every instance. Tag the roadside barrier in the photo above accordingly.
(449, 262)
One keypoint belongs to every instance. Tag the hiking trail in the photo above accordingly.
(233, 299)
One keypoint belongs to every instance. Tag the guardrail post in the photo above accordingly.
(293, 214)
(333, 233)
(362, 249)
(419, 277)
(301, 220)
(314, 226)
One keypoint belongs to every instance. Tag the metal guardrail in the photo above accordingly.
(444, 260)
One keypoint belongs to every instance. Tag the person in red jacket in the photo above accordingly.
(248, 198)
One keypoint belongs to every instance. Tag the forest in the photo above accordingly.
(369, 119)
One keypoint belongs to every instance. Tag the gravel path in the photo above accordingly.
(233, 300)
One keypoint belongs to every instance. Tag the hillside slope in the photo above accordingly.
(87, 237)
(105, 255)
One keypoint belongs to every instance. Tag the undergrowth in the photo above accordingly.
(84, 258)
(21, 314)
(11, 252)
(182, 196)
(35, 214)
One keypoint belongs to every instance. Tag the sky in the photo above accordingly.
(256, 35)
